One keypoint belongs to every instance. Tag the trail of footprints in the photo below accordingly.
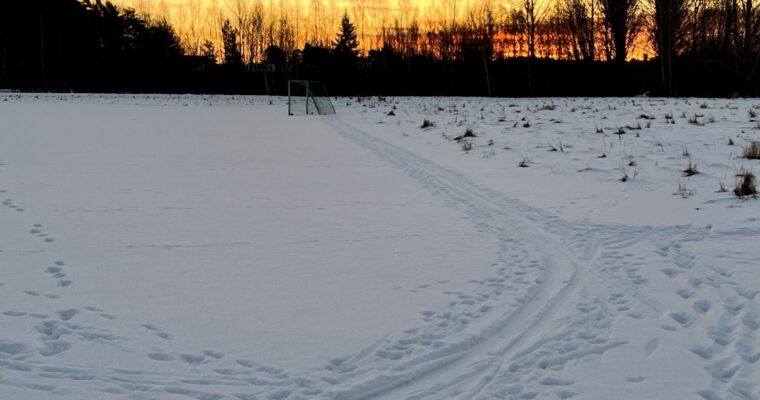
(37, 230)
(729, 348)
(9, 202)
(55, 335)
(56, 272)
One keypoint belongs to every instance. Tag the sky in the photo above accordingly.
(200, 20)
(367, 15)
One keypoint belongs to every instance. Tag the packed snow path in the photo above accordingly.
(565, 308)
(586, 281)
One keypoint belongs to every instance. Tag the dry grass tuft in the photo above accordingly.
(752, 152)
(746, 184)
(684, 191)
(691, 170)
(467, 134)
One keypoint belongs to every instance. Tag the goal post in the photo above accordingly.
(308, 97)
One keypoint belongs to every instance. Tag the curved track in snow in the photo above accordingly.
(468, 371)
(589, 283)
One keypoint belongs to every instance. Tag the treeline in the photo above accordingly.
(83, 46)
(533, 48)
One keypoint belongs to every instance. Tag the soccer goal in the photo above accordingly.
(308, 97)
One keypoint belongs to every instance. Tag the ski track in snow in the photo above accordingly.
(517, 348)
(558, 293)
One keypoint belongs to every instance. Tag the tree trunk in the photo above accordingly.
(488, 76)
(4, 52)
(43, 75)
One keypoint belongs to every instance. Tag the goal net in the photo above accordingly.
(308, 97)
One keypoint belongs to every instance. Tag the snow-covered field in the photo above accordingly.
(198, 247)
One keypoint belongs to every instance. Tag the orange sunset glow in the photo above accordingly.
(316, 21)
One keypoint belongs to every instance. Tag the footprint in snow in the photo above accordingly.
(12, 348)
(651, 346)
(555, 382)
(192, 358)
(14, 313)
(214, 354)
(157, 356)
(684, 293)
(158, 331)
(752, 320)
(702, 305)
(565, 394)
(685, 319)
(67, 315)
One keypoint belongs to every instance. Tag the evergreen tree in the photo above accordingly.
(346, 44)
(232, 54)
(208, 51)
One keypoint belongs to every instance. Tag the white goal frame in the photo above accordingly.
(315, 96)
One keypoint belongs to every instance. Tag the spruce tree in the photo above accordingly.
(346, 44)
(232, 54)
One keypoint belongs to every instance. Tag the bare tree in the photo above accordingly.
(668, 19)
(534, 12)
(189, 24)
(579, 18)
(318, 30)
(443, 30)
(481, 30)
(514, 28)
(620, 20)
(747, 41)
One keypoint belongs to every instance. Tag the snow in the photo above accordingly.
(211, 247)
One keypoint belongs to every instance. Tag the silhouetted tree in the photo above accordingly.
(579, 19)
(533, 15)
(619, 19)
(668, 20)
(232, 54)
(477, 40)
(67, 44)
(346, 44)
(208, 50)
